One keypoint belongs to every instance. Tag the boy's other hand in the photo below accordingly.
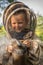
(27, 43)
(9, 49)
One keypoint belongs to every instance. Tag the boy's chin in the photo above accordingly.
(18, 31)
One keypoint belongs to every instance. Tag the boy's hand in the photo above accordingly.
(27, 43)
(9, 49)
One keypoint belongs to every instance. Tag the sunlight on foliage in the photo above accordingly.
(2, 31)
(39, 28)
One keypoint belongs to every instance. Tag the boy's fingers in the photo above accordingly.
(9, 48)
(27, 43)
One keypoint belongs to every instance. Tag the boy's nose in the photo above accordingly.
(17, 24)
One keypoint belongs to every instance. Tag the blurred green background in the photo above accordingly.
(39, 27)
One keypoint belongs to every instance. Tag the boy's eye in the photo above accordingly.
(13, 23)
(20, 22)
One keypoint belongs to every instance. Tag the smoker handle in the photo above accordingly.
(22, 46)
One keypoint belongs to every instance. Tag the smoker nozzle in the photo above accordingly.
(22, 46)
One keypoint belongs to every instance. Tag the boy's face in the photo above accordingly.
(18, 22)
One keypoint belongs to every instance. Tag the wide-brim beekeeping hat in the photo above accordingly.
(14, 7)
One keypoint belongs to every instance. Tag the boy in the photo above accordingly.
(20, 23)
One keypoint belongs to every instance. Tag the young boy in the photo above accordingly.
(20, 23)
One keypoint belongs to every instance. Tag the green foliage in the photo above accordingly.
(0, 14)
(10, 1)
(2, 31)
(41, 36)
(39, 28)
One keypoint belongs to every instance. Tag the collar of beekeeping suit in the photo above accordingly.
(14, 7)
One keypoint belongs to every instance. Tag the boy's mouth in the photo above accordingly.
(18, 29)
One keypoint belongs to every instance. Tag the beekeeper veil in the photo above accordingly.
(13, 8)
